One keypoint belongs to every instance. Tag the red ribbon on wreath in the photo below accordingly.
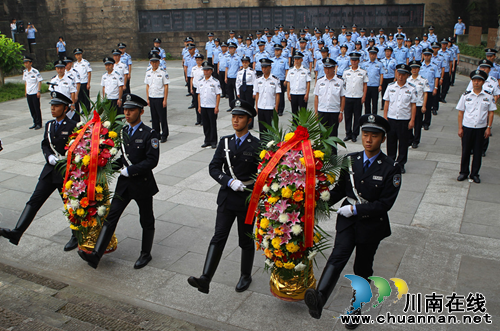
(301, 137)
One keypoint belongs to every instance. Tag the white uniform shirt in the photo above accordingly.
(490, 86)
(112, 83)
(422, 85)
(354, 80)
(121, 68)
(83, 67)
(267, 89)
(330, 93)
(298, 78)
(251, 77)
(197, 74)
(65, 85)
(400, 99)
(208, 90)
(156, 80)
(76, 76)
(476, 108)
(32, 78)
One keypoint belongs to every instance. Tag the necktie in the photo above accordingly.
(56, 127)
(366, 165)
(244, 84)
(238, 141)
(130, 129)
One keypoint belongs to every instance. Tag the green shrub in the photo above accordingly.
(49, 66)
(11, 91)
(474, 51)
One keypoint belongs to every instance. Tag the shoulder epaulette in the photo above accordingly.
(411, 84)
(392, 83)
(488, 92)
(54, 77)
(467, 92)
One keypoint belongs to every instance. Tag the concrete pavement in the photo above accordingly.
(446, 234)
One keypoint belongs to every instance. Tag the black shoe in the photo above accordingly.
(280, 114)
(476, 179)
(351, 325)
(32, 127)
(354, 139)
(461, 177)
(143, 260)
(315, 299)
(197, 123)
(22, 225)
(403, 171)
(426, 127)
(205, 145)
(247, 256)
(443, 101)
(91, 258)
(484, 154)
(434, 112)
(38, 127)
(164, 139)
(189, 94)
(214, 146)
(347, 139)
(72, 244)
(191, 107)
(212, 260)
(414, 145)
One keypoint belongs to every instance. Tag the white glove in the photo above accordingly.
(53, 160)
(345, 211)
(237, 185)
(124, 172)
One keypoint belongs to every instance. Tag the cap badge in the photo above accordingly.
(237, 103)
(371, 119)
(53, 94)
(128, 97)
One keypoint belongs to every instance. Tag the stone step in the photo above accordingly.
(16, 322)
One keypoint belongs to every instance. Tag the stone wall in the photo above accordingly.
(98, 25)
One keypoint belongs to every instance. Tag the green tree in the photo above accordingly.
(10, 56)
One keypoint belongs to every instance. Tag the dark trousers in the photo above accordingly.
(214, 73)
(472, 140)
(452, 76)
(189, 91)
(345, 242)
(281, 105)
(209, 119)
(330, 120)
(247, 95)
(83, 97)
(446, 85)
(222, 81)
(44, 188)
(195, 102)
(415, 133)
(126, 89)
(209, 59)
(231, 89)
(431, 99)
(34, 105)
(159, 116)
(266, 116)
(31, 41)
(486, 144)
(385, 82)
(223, 223)
(61, 55)
(397, 141)
(371, 101)
(297, 102)
(352, 109)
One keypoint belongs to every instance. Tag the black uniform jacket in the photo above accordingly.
(379, 186)
(244, 161)
(143, 151)
(59, 139)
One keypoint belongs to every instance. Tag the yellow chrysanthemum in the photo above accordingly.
(331, 178)
(72, 227)
(278, 263)
(289, 136)
(292, 248)
(112, 134)
(319, 154)
(98, 189)
(80, 212)
(262, 154)
(273, 200)
(317, 237)
(264, 223)
(86, 160)
(302, 161)
(276, 242)
(261, 232)
(286, 192)
(289, 265)
(268, 253)
(68, 184)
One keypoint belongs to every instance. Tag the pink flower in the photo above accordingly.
(281, 206)
(286, 234)
(293, 217)
(77, 173)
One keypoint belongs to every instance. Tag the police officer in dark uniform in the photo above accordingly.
(233, 166)
(54, 142)
(140, 154)
(370, 187)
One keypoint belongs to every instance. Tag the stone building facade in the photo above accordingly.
(98, 25)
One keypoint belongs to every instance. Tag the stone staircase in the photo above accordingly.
(29, 302)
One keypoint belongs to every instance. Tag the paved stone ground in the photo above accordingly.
(446, 234)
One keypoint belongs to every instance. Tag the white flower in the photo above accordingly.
(265, 189)
(265, 243)
(283, 218)
(101, 141)
(269, 144)
(113, 151)
(71, 142)
(299, 267)
(78, 158)
(101, 211)
(75, 204)
(106, 124)
(312, 255)
(296, 229)
(80, 124)
(325, 195)
(275, 187)
(269, 263)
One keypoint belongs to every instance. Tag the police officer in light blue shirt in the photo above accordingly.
(279, 69)
(389, 64)
(459, 28)
(319, 68)
(363, 39)
(354, 33)
(491, 56)
(307, 60)
(400, 53)
(349, 42)
(431, 36)
(276, 39)
(342, 38)
(343, 61)
(261, 54)
(400, 31)
(326, 35)
(416, 49)
(381, 49)
(293, 36)
(380, 34)
(375, 71)
(209, 47)
(157, 44)
(334, 48)
(258, 37)
(432, 73)
(232, 37)
(248, 49)
(233, 65)
(425, 42)
(269, 44)
(448, 68)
